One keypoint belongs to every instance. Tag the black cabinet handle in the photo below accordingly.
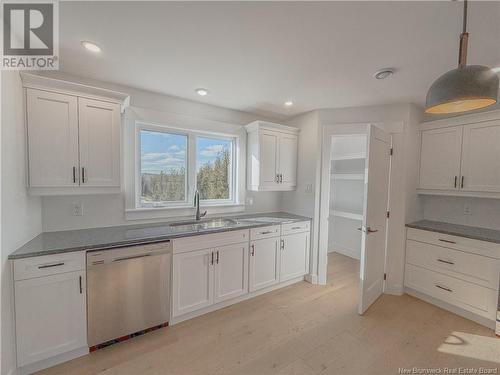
(217, 260)
(445, 261)
(51, 265)
(447, 241)
(444, 288)
(252, 253)
(80, 281)
(455, 184)
(212, 261)
(74, 175)
(83, 175)
(462, 183)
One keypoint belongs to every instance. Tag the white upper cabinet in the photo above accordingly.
(99, 142)
(462, 158)
(271, 157)
(52, 139)
(74, 137)
(481, 157)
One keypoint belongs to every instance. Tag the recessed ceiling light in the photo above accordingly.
(383, 73)
(92, 47)
(288, 103)
(201, 92)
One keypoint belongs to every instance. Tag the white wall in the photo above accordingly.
(21, 214)
(399, 119)
(483, 212)
(109, 210)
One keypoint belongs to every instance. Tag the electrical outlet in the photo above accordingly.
(77, 209)
(309, 188)
(467, 209)
(250, 201)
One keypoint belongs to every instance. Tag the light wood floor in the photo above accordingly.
(303, 329)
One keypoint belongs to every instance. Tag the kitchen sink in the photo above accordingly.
(205, 224)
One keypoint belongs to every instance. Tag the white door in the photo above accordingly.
(481, 157)
(50, 316)
(52, 139)
(99, 131)
(294, 254)
(231, 272)
(268, 163)
(373, 239)
(288, 160)
(440, 158)
(193, 281)
(264, 263)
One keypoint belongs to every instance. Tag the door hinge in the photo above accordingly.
(385, 276)
(391, 151)
(388, 214)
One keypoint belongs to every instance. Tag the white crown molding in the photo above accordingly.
(39, 82)
(461, 120)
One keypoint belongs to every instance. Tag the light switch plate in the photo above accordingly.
(467, 209)
(77, 209)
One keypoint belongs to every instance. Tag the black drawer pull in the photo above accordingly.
(445, 261)
(447, 241)
(296, 227)
(51, 265)
(266, 232)
(444, 288)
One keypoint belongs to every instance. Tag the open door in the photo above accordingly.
(374, 228)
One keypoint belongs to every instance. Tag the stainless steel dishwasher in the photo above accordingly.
(127, 290)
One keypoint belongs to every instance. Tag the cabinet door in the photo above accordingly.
(481, 157)
(193, 283)
(52, 122)
(264, 263)
(294, 256)
(99, 130)
(288, 160)
(268, 160)
(50, 316)
(231, 272)
(440, 158)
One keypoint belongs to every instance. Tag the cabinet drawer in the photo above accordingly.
(28, 268)
(264, 232)
(468, 245)
(290, 228)
(469, 267)
(208, 241)
(477, 299)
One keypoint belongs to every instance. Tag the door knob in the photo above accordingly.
(367, 230)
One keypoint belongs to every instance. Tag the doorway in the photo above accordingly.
(354, 202)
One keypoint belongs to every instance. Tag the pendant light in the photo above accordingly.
(463, 89)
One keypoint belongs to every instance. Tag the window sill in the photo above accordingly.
(149, 213)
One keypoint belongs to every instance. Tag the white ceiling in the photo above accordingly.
(253, 56)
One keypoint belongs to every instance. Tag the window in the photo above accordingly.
(213, 168)
(173, 164)
(163, 168)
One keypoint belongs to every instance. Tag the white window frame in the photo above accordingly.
(191, 172)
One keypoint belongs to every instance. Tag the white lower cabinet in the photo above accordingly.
(50, 316)
(264, 263)
(294, 255)
(230, 272)
(193, 276)
(458, 271)
(229, 269)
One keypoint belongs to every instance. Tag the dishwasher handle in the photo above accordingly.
(132, 257)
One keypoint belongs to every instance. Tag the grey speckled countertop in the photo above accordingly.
(476, 233)
(101, 238)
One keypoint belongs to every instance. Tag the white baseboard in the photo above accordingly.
(396, 290)
(221, 305)
(454, 309)
(13, 371)
(311, 278)
(49, 362)
(351, 253)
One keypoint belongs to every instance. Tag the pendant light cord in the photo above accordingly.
(464, 37)
(465, 17)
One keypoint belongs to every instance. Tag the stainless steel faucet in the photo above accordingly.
(197, 205)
